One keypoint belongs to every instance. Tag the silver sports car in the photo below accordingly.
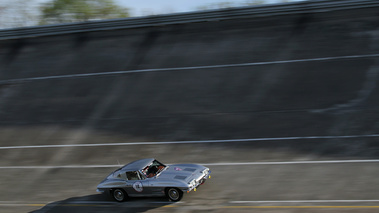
(149, 177)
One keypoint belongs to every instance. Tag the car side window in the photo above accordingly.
(119, 175)
(132, 175)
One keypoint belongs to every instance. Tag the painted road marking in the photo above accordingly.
(84, 204)
(205, 164)
(304, 201)
(22, 204)
(194, 142)
(189, 68)
(177, 206)
(290, 162)
(300, 207)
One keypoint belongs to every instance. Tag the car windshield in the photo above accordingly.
(153, 169)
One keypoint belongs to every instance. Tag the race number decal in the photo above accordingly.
(138, 186)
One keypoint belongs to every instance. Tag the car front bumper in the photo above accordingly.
(196, 183)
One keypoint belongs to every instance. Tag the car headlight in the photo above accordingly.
(205, 171)
(192, 183)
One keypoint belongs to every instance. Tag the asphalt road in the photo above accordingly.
(244, 179)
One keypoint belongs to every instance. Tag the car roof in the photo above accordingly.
(137, 165)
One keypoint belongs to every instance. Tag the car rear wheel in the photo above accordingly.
(174, 194)
(119, 195)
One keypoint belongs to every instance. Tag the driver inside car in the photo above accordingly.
(151, 172)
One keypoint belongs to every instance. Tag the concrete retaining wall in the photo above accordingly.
(324, 94)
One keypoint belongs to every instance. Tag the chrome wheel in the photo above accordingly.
(119, 195)
(174, 194)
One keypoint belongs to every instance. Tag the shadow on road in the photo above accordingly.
(102, 203)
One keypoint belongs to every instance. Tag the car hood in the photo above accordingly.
(182, 172)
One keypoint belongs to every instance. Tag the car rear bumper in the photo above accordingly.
(100, 190)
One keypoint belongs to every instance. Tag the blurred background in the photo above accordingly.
(21, 13)
(278, 98)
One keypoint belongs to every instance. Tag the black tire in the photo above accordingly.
(174, 194)
(119, 195)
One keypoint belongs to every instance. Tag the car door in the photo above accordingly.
(138, 188)
(136, 185)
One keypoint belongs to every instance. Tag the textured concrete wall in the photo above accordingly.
(332, 96)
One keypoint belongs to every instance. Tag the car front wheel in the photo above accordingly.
(119, 195)
(174, 194)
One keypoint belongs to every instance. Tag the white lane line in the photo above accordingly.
(190, 68)
(60, 167)
(89, 202)
(20, 204)
(304, 201)
(205, 164)
(50, 202)
(192, 142)
(42, 204)
(291, 162)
